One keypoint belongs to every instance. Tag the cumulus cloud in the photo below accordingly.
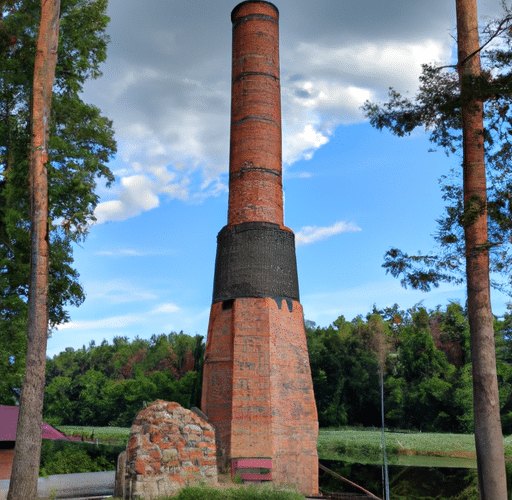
(167, 85)
(140, 193)
(311, 234)
(352, 70)
(323, 87)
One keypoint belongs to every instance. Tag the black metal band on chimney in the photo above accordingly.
(255, 259)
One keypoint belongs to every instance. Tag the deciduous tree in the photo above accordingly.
(27, 451)
(81, 142)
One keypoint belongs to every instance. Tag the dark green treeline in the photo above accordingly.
(424, 356)
(108, 384)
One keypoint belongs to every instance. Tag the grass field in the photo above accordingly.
(101, 433)
(350, 444)
(403, 448)
(350, 447)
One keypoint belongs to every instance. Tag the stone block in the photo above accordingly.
(165, 451)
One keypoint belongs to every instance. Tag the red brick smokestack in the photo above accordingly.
(255, 188)
(257, 387)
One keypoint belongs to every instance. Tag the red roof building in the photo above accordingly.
(9, 420)
(8, 423)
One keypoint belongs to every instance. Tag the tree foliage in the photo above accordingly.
(80, 145)
(427, 375)
(427, 372)
(109, 384)
(436, 108)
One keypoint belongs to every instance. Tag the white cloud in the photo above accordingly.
(128, 252)
(122, 252)
(171, 106)
(310, 234)
(121, 321)
(354, 69)
(140, 193)
(303, 144)
(165, 308)
(323, 87)
(118, 292)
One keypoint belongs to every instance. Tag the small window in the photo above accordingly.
(227, 304)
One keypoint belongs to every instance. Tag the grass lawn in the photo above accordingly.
(357, 445)
(347, 448)
(119, 434)
(403, 448)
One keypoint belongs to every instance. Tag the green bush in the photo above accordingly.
(251, 492)
(68, 457)
(471, 491)
(508, 469)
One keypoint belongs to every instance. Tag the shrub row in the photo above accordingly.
(250, 492)
(69, 457)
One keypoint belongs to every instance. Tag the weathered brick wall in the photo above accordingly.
(217, 385)
(169, 447)
(255, 189)
(259, 345)
(295, 419)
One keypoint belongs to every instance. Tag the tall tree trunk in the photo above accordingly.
(488, 434)
(27, 451)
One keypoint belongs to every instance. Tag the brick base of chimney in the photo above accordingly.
(257, 388)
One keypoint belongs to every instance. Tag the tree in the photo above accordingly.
(488, 434)
(27, 451)
(108, 384)
(455, 110)
(420, 387)
(345, 376)
(80, 144)
(381, 346)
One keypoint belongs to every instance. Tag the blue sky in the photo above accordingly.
(351, 192)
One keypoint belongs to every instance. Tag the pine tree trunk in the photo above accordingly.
(27, 451)
(488, 434)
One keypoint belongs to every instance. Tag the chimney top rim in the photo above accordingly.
(241, 4)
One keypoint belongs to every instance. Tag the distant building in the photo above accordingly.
(8, 423)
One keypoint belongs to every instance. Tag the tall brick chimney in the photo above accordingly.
(257, 386)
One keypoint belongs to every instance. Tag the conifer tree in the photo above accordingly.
(452, 106)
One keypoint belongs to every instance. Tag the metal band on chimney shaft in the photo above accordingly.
(255, 259)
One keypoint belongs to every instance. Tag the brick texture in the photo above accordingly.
(169, 446)
(255, 190)
(257, 386)
(256, 351)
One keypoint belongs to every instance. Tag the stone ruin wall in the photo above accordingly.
(169, 447)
